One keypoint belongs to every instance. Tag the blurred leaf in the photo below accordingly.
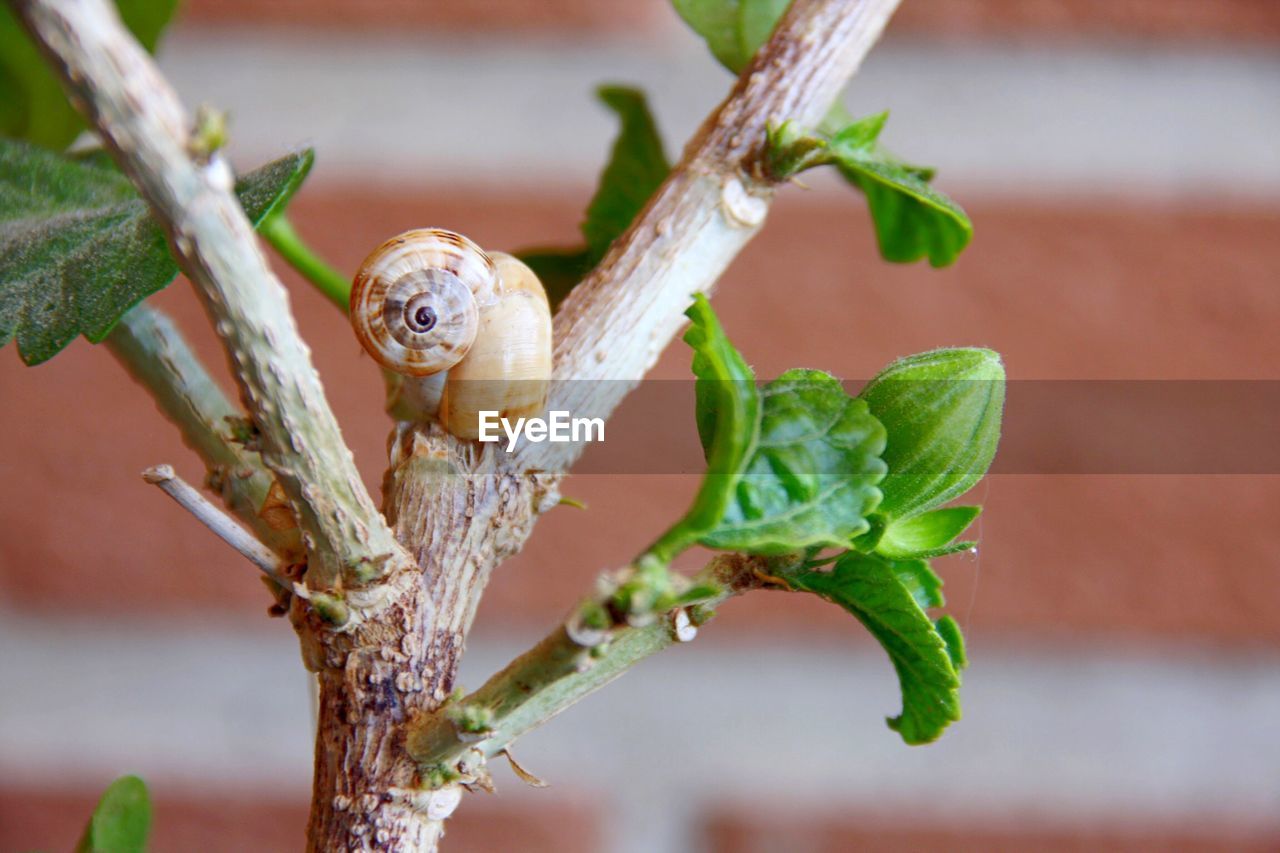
(929, 534)
(732, 29)
(32, 104)
(728, 416)
(942, 412)
(811, 479)
(121, 821)
(637, 167)
(871, 589)
(78, 246)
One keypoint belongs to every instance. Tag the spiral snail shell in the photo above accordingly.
(429, 301)
(415, 300)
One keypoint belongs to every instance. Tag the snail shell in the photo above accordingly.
(417, 298)
(429, 301)
(509, 366)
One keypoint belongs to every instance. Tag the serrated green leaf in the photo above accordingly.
(32, 104)
(950, 633)
(942, 412)
(911, 218)
(78, 246)
(921, 581)
(728, 416)
(870, 588)
(811, 479)
(637, 167)
(121, 821)
(925, 535)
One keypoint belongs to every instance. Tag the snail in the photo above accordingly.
(462, 331)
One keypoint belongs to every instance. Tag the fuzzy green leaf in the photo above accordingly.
(871, 589)
(121, 821)
(929, 534)
(811, 480)
(78, 246)
(949, 630)
(32, 104)
(921, 581)
(942, 412)
(728, 416)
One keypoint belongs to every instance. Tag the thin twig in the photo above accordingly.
(222, 525)
(148, 344)
(566, 666)
(122, 93)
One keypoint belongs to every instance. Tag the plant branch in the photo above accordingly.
(217, 521)
(155, 353)
(613, 326)
(280, 233)
(569, 664)
(119, 89)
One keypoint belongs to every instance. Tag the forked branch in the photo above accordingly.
(122, 93)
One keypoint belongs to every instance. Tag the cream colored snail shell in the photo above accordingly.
(415, 302)
(430, 300)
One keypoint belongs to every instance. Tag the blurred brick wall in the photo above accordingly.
(1091, 288)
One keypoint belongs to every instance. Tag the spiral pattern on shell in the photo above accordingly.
(416, 301)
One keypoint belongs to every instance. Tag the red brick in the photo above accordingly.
(220, 823)
(1090, 291)
(884, 832)
(1184, 20)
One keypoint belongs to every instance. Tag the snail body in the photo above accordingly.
(509, 365)
(462, 331)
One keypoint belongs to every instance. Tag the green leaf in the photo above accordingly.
(811, 480)
(717, 21)
(911, 218)
(32, 104)
(637, 167)
(78, 246)
(950, 633)
(926, 535)
(921, 581)
(121, 821)
(942, 412)
(871, 589)
(732, 29)
(728, 416)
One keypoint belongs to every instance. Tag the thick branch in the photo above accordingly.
(120, 90)
(157, 356)
(614, 325)
(569, 664)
